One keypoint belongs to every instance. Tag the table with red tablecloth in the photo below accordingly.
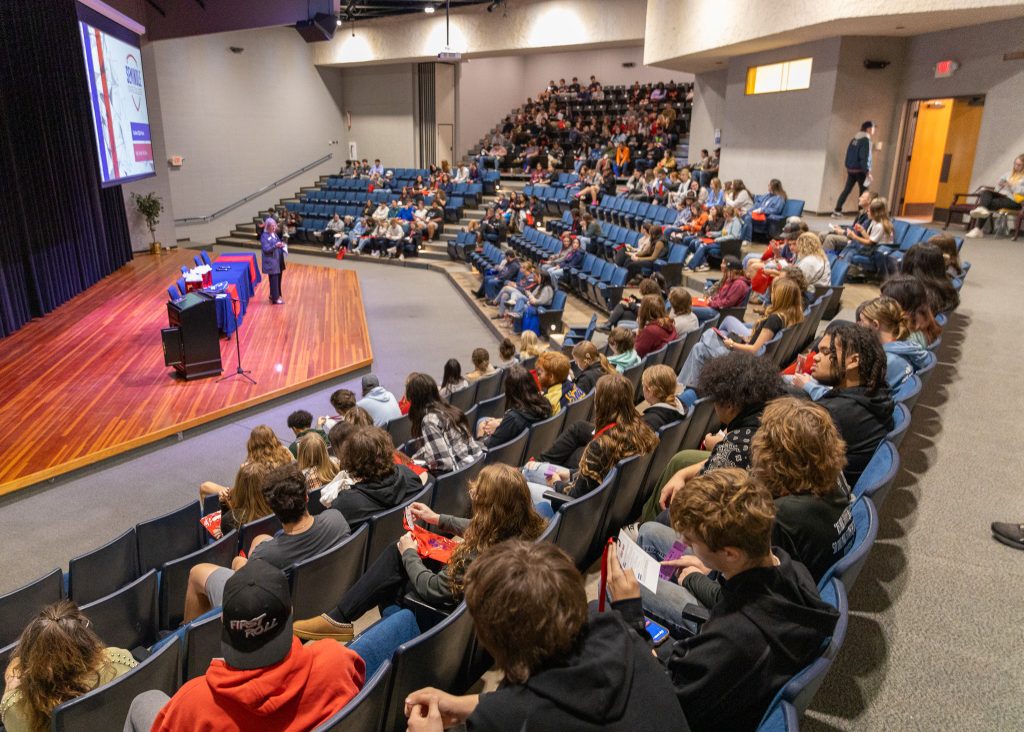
(248, 257)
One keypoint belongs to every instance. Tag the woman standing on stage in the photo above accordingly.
(273, 258)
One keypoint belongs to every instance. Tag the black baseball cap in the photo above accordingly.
(257, 617)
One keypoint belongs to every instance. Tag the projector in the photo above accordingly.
(449, 56)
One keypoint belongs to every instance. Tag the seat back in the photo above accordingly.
(701, 414)
(128, 617)
(174, 576)
(101, 571)
(19, 606)
(365, 711)
(550, 533)
(625, 493)
(318, 582)
(511, 452)
(634, 374)
(900, 424)
(865, 520)
(386, 527)
(489, 386)
(451, 492)
(579, 409)
(400, 429)
(269, 525)
(493, 407)
(581, 521)
(670, 439)
(909, 392)
(464, 398)
(201, 644)
(542, 435)
(106, 708)
(800, 689)
(691, 340)
(878, 475)
(435, 658)
(170, 536)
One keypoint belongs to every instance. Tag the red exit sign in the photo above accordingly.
(945, 69)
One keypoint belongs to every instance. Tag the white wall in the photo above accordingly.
(159, 184)
(708, 112)
(382, 104)
(979, 50)
(505, 82)
(242, 121)
(783, 135)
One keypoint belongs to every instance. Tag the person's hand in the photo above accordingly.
(711, 441)
(858, 228)
(729, 344)
(675, 483)
(407, 542)
(321, 421)
(425, 718)
(12, 675)
(423, 512)
(622, 584)
(451, 709)
(801, 380)
(558, 474)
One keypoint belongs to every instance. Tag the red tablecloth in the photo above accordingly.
(254, 271)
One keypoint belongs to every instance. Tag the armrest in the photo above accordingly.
(695, 613)
(557, 499)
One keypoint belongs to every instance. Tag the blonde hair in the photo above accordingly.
(312, 453)
(530, 345)
(787, 301)
(878, 210)
(809, 245)
(264, 447)
(888, 314)
(587, 353)
(246, 499)
(661, 380)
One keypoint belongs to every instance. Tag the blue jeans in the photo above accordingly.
(709, 346)
(704, 314)
(378, 643)
(701, 255)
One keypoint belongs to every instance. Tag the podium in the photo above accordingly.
(192, 340)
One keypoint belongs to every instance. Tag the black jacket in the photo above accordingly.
(363, 500)
(588, 377)
(863, 421)
(513, 422)
(658, 415)
(609, 681)
(815, 530)
(765, 626)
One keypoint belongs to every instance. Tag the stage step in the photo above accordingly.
(433, 253)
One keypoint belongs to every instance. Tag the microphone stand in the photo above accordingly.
(238, 347)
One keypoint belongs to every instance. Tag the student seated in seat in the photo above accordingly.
(501, 510)
(766, 621)
(378, 483)
(264, 448)
(58, 658)
(303, 536)
(564, 668)
(266, 679)
(524, 407)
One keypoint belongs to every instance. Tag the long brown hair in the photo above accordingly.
(787, 301)
(246, 499)
(264, 447)
(313, 454)
(652, 310)
(623, 431)
(502, 509)
(59, 658)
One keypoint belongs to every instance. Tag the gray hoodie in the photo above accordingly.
(381, 405)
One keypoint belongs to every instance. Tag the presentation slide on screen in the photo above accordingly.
(119, 113)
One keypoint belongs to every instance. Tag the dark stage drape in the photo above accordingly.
(60, 232)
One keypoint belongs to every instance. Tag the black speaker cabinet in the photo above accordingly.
(192, 342)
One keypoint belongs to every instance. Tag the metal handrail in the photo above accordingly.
(251, 196)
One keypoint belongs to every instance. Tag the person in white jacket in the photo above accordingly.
(378, 401)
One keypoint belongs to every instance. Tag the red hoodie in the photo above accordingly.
(307, 687)
(652, 337)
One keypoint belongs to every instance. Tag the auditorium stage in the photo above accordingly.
(87, 381)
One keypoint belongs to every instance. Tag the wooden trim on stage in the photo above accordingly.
(87, 382)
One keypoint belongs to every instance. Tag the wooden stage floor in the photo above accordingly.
(87, 381)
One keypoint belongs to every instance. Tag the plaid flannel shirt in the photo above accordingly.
(445, 448)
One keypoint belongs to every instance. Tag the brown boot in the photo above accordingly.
(322, 627)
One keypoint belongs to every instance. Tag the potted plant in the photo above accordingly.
(150, 207)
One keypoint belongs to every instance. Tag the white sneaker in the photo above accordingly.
(975, 233)
(703, 268)
(980, 212)
(837, 214)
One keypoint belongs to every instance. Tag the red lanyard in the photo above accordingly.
(604, 429)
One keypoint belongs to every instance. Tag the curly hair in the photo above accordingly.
(285, 491)
(369, 455)
(741, 380)
(264, 447)
(528, 604)
(625, 432)
(300, 419)
(850, 338)
(502, 509)
(797, 449)
(59, 658)
(725, 508)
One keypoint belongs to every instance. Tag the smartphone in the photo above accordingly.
(658, 632)
(720, 333)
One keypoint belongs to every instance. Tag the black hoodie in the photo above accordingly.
(863, 421)
(765, 626)
(609, 681)
(364, 499)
